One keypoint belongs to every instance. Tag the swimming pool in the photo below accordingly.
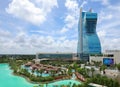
(35, 73)
(63, 82)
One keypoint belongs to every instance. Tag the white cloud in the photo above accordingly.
(103, 2)
(71, 5)
(47, 5)
(63, 30)
(20, 38)
(103, 16)
(108, 27)
(23, 43)
(4, 33)
(101, 33)
(71, 19)
(116, 7)
(110, 44)
(5, 36)
(62, 38)
(40, 31)
(84, 3)
(27, 10)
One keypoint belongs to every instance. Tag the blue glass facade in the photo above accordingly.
(88, 41)
(56, 56)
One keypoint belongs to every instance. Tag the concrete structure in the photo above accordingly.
(95, 85)
(112, 54)
(88, 41)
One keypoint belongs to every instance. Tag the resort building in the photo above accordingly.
(109, 57)
(88, 41)
(57, 56)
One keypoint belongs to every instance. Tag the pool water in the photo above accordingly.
(63, 82)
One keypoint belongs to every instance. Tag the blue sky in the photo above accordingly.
(31, 26)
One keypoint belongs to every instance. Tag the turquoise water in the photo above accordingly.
(63, 82)
(9, 80)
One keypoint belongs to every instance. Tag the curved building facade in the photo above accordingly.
(88, 41)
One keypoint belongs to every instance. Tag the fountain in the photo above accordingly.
(73, 76)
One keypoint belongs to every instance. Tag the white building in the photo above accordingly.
(110, 54)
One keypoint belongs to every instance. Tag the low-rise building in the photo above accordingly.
(57, 56)
(109, 57)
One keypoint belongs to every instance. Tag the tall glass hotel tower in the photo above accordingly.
(88, 41)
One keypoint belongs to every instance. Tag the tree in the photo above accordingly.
(92, 70)
(41, 85)
(33, 71)
(97, 63)
(118, 66)
(40, 71)
(37, 71)
(102, 68)
(75, 66)
(35, 86)
(82, 71)
(69, 72)
(53, 72)
(88, 71)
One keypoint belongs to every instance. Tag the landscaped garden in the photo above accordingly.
(60, 73)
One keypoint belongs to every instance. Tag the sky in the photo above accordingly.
(32, 26)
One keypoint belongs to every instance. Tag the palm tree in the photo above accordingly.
(102, 68)
(75, 66)
(53, 73)
(118, 66)
(92, 70)
(69, 71)
(88, 71)
(37, 71)
(40, 71)
(33, 71)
